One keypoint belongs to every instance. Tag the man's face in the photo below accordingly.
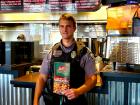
(67, 29)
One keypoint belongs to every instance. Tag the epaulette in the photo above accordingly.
(80, 46)
(55, 46)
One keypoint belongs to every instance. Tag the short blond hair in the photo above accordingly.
(69, 17)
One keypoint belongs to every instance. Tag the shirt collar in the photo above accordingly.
(67, 49)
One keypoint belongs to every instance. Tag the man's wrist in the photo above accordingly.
(78, 91)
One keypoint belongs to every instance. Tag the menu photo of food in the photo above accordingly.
(61, 77)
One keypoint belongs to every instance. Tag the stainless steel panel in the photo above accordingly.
(134, 94)
(1, 96)
(10, 95)
(97, 99)
(10, 90)
(23, 95)
(4, 80)
(14, 96)
(103, 99)
(138, 91)
(116, 93)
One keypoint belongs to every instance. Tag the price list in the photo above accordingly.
(87, 5)
(58, 5)
(34, 5)
(49, 5)
(11, 5)
(78, 5)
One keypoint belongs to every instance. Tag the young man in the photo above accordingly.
(82, 66)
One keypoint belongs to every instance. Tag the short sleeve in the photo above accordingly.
(88, 63)
(45, 66)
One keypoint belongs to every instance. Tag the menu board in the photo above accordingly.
(61, 5)
(11, 5)
(49, 5)
(34, 5)
(76, 5)
(87, 5)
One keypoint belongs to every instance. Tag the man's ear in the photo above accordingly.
(75, 28)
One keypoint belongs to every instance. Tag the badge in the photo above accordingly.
(57, 53)
(92, 55)
(73, 54)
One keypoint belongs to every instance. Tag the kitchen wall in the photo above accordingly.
(48, 34)
(43, 27)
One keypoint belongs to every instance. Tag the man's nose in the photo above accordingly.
(65, 29)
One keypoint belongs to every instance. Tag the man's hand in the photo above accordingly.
(71, 93)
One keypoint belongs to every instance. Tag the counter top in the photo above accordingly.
(118, 87)
(121, 76)
(27, 81)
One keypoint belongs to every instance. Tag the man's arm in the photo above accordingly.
(39, 87)
(90, 82)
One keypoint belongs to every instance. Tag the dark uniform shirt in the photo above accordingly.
(87, 61)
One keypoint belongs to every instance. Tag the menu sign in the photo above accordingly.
(11, 5)
(63, 5)
(49, 5)
(34, 1)
(87, 5)
(34, 5)
(75, 5)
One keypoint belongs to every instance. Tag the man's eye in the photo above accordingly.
(61, 26)
(68, 26)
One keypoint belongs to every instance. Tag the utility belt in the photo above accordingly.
(55, 99)
(51, 98)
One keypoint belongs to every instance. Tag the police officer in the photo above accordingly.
(82, 66)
